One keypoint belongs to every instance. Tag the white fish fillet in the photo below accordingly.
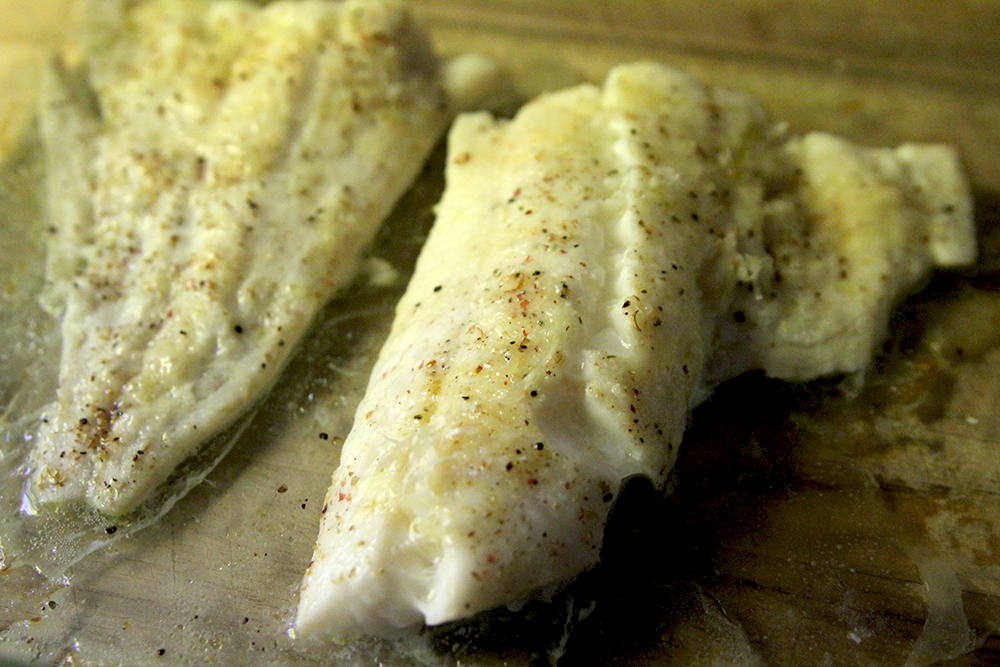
(597, 265)
(208, 193)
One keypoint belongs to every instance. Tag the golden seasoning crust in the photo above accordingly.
(597, 265)
(238, 162)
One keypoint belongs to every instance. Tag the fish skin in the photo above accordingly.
(576, 297)
(236, 161)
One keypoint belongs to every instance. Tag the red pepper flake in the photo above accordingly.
(532, 481)
(282, 488)
(344, 496)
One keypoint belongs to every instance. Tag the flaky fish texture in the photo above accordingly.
(215, 170)
(597, 265)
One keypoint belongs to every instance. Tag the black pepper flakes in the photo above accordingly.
(111, 530)
(324, 436)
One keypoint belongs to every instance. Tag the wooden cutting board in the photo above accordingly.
(806, 525)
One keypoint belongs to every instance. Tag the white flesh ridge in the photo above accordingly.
(597, 265)
(213, 188)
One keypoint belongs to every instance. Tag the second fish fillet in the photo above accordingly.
(598, 264)
(214, 174)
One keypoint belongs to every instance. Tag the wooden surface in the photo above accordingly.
(804, 527)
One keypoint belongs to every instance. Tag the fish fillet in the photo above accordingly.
(214, 173)
(597, 265)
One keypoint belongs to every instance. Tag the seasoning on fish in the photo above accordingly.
(215, 171)
(598, 264)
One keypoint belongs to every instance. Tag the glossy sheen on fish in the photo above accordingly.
(212, 181)
(598, 263)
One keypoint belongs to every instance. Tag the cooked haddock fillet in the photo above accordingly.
(213, 179)
(597, 265)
